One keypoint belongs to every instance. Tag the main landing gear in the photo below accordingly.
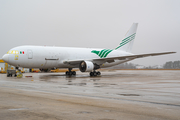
(70, 73)
(94, 73)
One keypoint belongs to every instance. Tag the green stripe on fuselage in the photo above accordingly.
(103, 53)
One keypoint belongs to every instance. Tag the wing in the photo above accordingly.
(100, 61)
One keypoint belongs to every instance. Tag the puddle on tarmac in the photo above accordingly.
(95, 79)
(19, 109)
(113, 84)
(104, 84)
(129, 94)
(84, 112)
(77, 84)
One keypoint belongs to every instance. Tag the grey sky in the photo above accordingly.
(92, 23)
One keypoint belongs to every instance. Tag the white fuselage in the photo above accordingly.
(53, 57)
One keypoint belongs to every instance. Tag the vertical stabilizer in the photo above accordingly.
(128, 40)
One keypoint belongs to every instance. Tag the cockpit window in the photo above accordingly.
(13, 52)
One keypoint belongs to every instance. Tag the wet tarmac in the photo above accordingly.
(116, 94)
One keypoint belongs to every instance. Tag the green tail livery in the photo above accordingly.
(126, 40)
(103, 53)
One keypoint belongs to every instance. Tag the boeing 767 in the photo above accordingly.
(86, 59)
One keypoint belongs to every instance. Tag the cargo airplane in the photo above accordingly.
(86, 59)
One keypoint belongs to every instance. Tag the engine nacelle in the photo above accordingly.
(86, 66)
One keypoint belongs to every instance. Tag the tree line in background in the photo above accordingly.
(167, 65)
(172, 65)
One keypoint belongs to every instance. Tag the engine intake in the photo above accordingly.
(87, 66)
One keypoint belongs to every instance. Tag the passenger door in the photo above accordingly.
(30, 54)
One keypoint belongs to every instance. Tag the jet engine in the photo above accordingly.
(87, 66)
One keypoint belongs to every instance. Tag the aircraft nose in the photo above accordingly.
(5, 57)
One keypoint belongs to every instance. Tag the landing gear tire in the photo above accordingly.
(15, 75)
(73, 73)
(91, 74)
(98, 73)
(70, 73)
(67, 72)
(95, 73)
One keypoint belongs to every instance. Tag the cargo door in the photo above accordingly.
(51, 60)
